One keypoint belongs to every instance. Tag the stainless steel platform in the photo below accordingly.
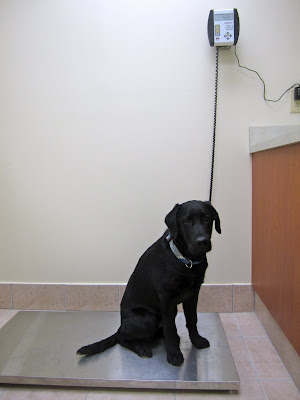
(40, 348)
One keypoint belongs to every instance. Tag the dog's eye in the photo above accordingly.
(205, 218)
(187, 221)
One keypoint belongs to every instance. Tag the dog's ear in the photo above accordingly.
(215, 216)
(171, 221)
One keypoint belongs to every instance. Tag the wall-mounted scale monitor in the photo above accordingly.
(223, 27)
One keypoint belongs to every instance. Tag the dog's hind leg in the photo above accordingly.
(138, 329)
(142, 349)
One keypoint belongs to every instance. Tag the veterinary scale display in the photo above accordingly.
(223, 27)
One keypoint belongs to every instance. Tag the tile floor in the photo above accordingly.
(263, 376)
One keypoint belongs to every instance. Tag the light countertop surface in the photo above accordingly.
(268, 137)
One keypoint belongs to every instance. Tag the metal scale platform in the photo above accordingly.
(39, 348)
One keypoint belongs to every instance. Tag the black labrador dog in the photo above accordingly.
(170, 272)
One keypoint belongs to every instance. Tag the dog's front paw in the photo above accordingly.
(175, 358)
(200, 342)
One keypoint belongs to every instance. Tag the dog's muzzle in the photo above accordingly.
(200, 245)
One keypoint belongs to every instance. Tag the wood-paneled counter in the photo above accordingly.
(276, 234)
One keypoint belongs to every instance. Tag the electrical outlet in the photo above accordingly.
(295, 104)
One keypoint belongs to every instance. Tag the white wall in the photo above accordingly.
(106, 113)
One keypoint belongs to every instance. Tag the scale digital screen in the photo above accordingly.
(223, 17)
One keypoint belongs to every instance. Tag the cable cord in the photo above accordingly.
(214, 125)
(252, 70)
(215, 119)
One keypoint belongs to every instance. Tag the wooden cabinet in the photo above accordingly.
(276, 235)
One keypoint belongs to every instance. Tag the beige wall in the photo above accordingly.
(106, 114)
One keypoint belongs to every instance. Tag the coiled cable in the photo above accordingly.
(214, 125)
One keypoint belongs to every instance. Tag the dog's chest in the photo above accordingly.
(183, 287)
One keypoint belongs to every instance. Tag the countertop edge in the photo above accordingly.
(269, 137)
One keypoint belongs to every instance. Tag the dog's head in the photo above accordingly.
(191, 225)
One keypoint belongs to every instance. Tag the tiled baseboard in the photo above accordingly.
(71, 297)
(282, 345)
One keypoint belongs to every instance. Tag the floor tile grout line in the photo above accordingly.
(268, 338)
(223, 324)
(264, 329)
(270, 342)
(254, 336)
(252, 361)
(238, 325)
(86, 395)
(273, 347)
(261, 380)
(64, 296)
(277, 379)
(11, 296)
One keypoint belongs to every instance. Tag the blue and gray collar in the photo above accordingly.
(188, 263)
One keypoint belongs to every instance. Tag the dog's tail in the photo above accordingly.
(99, 347)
